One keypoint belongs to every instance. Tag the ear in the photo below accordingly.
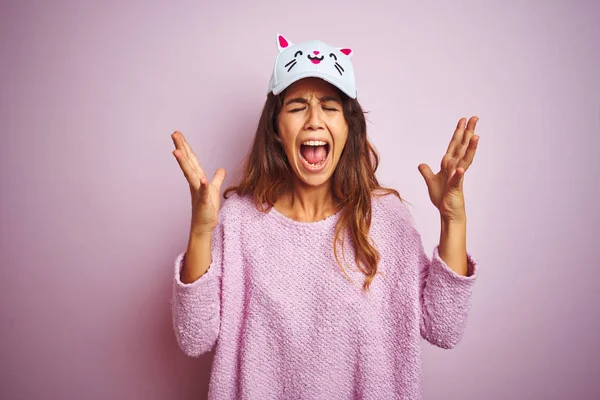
(282, 42)
(346, 51)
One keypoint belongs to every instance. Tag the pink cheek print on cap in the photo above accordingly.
(312, 58)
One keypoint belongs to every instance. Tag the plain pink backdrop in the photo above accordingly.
(94, 208)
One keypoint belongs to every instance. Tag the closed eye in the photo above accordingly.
(333, 56)
(294, 110)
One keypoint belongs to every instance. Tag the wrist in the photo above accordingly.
(453, 220)
(200, 233)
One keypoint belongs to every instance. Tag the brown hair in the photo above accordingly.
(267, 175)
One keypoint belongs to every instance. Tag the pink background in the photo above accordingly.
(94, 208)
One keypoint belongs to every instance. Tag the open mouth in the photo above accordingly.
(315, 60)
(314, 153)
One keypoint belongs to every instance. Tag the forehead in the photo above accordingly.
(309, 87)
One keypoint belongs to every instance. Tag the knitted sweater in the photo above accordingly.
(286, 323)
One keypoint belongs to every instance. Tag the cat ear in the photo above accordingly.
(282, 42)
(346, 51)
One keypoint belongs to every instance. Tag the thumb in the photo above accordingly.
(426, 172)
(219, 177)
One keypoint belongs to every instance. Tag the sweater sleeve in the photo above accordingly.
(196, 306)
(444, 297)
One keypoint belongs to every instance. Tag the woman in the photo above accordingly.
(271, 280)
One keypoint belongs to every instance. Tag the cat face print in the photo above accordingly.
(313, 58)
(315, 52)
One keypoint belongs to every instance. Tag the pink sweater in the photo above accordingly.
(286, 323)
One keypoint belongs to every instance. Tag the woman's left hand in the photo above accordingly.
(446, 187)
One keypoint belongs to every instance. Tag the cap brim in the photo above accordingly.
(347, 89)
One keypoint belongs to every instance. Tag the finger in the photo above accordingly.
(204, 190)
(471, 125)
(426, 172)
(457, 138)
(178, 141)
(192, 158)
(218, 178)
(458, 151)
(467, 160)
(448, 165)
(188, 170)
(466, 140)
(469, 132)
(181, 145)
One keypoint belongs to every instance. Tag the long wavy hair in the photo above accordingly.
(267, 175)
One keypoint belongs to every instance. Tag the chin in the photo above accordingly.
(313, 180)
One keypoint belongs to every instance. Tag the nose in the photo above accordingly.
(314, 122)
(316, 52)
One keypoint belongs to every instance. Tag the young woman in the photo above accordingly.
(272, 279)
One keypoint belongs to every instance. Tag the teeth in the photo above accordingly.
(314, 143)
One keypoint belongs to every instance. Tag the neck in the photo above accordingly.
(308, 203)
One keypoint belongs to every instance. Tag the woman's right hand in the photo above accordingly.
(205, 196)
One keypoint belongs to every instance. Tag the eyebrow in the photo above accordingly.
(323, 99)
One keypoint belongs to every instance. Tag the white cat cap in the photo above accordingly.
(312, 59)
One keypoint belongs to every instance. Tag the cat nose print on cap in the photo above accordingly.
(314, 58)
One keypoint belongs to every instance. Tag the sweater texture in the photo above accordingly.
(285, 322)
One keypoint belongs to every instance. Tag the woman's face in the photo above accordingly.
(312, 129)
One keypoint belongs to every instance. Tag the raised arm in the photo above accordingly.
(197, 282)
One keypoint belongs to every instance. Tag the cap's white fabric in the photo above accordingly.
(312, 59)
